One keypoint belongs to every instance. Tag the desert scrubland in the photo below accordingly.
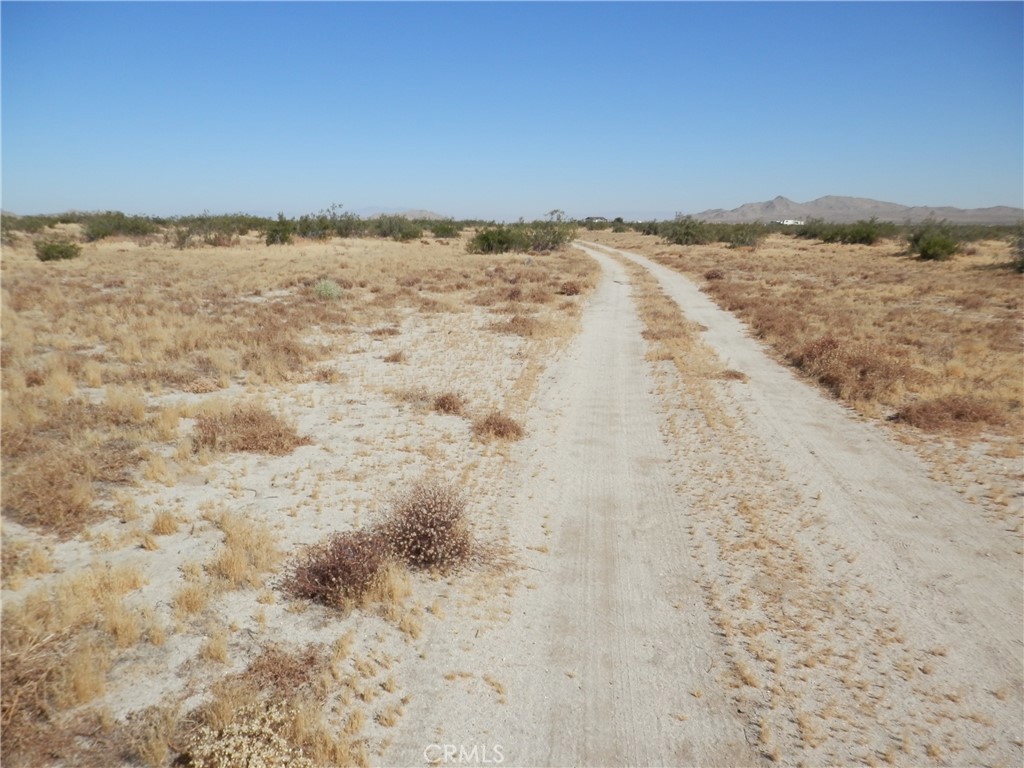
(356, 501)
(179, 424)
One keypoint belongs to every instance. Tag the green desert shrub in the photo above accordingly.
(864, 232)
(868, 232)
(110, 223)
(686, 230)
(445, 228)
(330, 222)
(747, 235)
(279, 232)
(57, 250)
(326, 289)
(934, 241)
(498, 238)
(396, 227)
(539, 236)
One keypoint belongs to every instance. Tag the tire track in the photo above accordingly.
(607, 656)
(862, 624)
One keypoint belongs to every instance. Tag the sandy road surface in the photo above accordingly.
(781, 584)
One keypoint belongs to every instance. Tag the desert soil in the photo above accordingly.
(739, 575)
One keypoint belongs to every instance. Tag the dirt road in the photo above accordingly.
(781, 584)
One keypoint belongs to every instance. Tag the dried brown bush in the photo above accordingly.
(852, 370)
(570, 288)
(497, 425)
(52, 490)
(338, 572)
(520, 325)
(247, 428)
(275, 669)
(952, 412)
(714, 274)
(427, 527)
(450, 402)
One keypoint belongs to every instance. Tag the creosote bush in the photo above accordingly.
(427, 527)
(934, 241)
(538, 236)
(863, 232)
(57, 250)
(498, 425)
(279, 232)
(445, 228)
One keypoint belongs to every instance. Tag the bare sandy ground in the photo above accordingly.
(780, 583)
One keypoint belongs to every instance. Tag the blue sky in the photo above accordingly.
(502, 110)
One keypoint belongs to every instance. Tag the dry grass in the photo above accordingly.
(451, 403)
(56, 650)
(950, 412)
(880, 330)
(520, 325)
(105, 361)
(496, 425)
(268, 715)
(246, 427)
(250, 550)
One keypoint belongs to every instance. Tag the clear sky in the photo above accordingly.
(502, 110)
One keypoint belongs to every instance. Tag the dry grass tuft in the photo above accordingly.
(571, 288)
(395, 357)
(249, 551)
(450, 402)
(519, 325)
(53, 490)
(730, 374)
(952, 413)
(427, 527)
(855, 371)
(164, 524)
(277, 669)
(498, 425)
(55, 651)
(247, 428)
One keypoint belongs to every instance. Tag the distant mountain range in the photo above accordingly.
(849, 209)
